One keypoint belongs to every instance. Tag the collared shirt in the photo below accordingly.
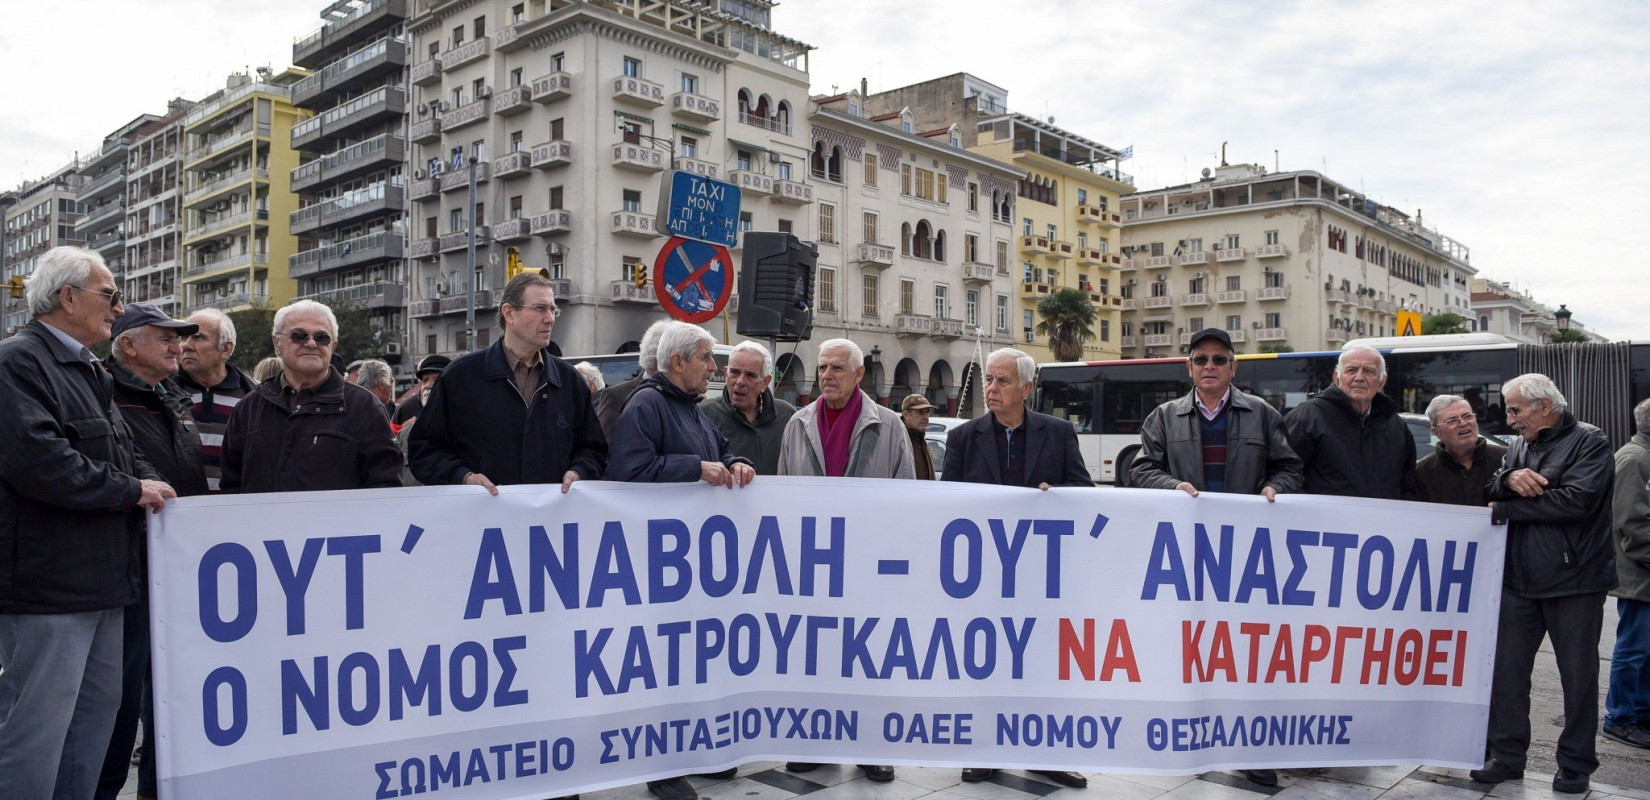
(1210, 413)
(525, 373)
(69, 342)
(1011, 451)
(296, 397)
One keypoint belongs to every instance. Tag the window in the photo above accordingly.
(688, 147)
(868, 295)
(1028, 323)
(826, 286)
(1194, 245)
(1082, 196)
(632, 131)
(905, 123)
(743, 160)
(907, 296)
(455, 220)
(1105, 286)
(515, 142)
(515, 207)
(458, 96)
(745, 221)
(1274, 280)
(481, 27)
(827, 223)
(921, 183)
(558, 62)
(1232, 243)
(942, 298)
(628, 266)
(478, 150)
(1234, 283)
(555, 198)
(690, 83)
(1002, 312)
(971, 308)
(1105, 330)
(1160, 288)
(1194, 286)
(905, 179)
(518, 13)
(971, 248)
(1025, 227)
(1082, 239)
(870, 230)
(1053, 231)
(556, 129)
(1002, 207)
(1271, 238)
(974, 197)
(1002, 255)
(1234, 322)
(783, 170)
(515, 77)
(784, 226)
(632, 67)
(632, 200)
(1274, 319)
(458, 36)
(870, 169)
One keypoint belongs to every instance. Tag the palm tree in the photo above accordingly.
(1068, 315)
(1444, 323)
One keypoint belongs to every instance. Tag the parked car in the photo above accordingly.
(943, 425)
(1421, 430)
(936, 446)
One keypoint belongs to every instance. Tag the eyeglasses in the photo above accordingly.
(300, 338)
(542, 309)
(1518, 411)
(113, 296)
(1454, 421)
(1203, 360)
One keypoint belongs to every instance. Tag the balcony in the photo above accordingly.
(1234, 296)
(342, 31)
(427, 73)
(911, 325)
(460, 178)
(1194, 259)
(424, 189)
(218, 225)
(1335, 336)
(1091, 256)
(203, 266)
(512, 230)
(976, 273)
(1272, 293)
(105, 213)
(1157, 262)
(1036, 245)
(425, 131)
(102, 182)
(1338, 296)
(360, 250)
(1088, 213)
(423, 308)
(383, 294)
(1130, 341)
(511, 102)
(695, 106)
(871, 254)
(465, 53)
(383, 56)
(551, 223)
(552, 154)
(637, 157)
(224, 301)
(460, 240)
(776, 125)
(1110, 220)
(1271, 334)
(1270, 251)
(1130, 304)
(1386, 307)
(304, 219)
(639, 91)
(748, 181)
(376, 199)
(1194, 299)
(626, 292)
(1366, 300)
(387, 100)
(634, 223)
(207, 189)
(1032, 290)
(943, 328)
(552, 87)
(471, 112)
(511, 165)
(793, 192)
(1061, 250)
(423, 248)
(1230, 254)
(1159, 339)
(1161, 301)
(1130, 265)
(695, 166)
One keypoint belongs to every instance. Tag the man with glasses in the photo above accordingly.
(309, 429)
(1459, 468)
(73, 488)
(513, 413)
(1217, 439)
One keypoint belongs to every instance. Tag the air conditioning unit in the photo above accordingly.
(419, 175)
(1254, 324)
(775, 157)
(484, 92)
(392, 349)
(441, 288)
(423, 109)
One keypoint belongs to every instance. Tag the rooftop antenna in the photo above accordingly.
(1275, 167)
(1223, 154)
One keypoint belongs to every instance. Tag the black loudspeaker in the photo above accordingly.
(776, 287)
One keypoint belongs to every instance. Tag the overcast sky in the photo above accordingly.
(1518, 129)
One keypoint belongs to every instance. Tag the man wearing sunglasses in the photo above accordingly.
(308, 430)
(1217, 439)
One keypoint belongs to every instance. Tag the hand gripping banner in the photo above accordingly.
(439, 640)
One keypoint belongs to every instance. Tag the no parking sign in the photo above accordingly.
(693, 280)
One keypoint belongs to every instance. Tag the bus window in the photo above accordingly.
(1071, 397)
(1282, 382)
(1413, 379)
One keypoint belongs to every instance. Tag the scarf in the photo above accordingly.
(836, 433)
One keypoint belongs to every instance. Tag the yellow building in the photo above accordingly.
(237, 196)
(1066, 220)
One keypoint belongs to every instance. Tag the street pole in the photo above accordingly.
(470, 282)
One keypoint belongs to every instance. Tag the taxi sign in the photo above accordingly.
(696, 207)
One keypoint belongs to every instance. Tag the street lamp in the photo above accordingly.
(1563, 317)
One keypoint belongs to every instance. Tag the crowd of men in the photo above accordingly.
(94, 444)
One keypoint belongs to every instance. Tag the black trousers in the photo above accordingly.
(1573, 623)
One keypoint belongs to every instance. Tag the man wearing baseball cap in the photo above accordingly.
(428, 370)
(914, 411)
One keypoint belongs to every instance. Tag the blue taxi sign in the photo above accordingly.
(696, 207)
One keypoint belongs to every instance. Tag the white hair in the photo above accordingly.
(59, 267)
(856, 356)
(649, 354)
(1360, 348)
(307, 306)
(1641, 417)
(1024, 365)
(592, 376)
(375, 373)
(681, 339)
(1535, 386)
(1440, 403)
(226, 326)
(749, 346)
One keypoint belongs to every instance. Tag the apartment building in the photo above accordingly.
(571, 113)
(43, 214)
(237, 195)
(154, 198)
(1281, 261)
(913, 255)
(351, 184)
(1064, 208)
(102, 195)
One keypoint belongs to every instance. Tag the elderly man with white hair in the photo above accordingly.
(747, 412)
(1350, 437)
(1554, 492)
(72, 492)
(845, 433)
(308, 429)
(610, 402)
(662, 436)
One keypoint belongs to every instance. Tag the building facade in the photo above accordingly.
(1064, 209)
(154, 208)
(103, 196)
(351, 184)
(1284, 261)
(44, 214)
(571, 113)
(237, 196)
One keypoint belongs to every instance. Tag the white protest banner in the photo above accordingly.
(438, 640)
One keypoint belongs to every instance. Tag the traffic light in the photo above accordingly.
(638, 274)
(512, 263)
(15, 286)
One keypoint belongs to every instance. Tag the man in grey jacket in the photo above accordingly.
(1627, 706)
(1217, 439)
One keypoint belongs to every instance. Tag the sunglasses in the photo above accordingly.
(300, 338)
(1203, 361)
(114, 297)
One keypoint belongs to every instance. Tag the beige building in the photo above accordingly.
(1287, 260)
(237, 196)
(1499, 307)
(154, 197)
(39, 215)
(572, 112)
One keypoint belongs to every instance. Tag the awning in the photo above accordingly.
(690, 129)
(747, 145)
(636, 117)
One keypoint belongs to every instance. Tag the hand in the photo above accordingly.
(567, 480)
(1186, 487)
(1527, 482)
(155, 494)
(478, 479)
(743, 474)
(1269, 493)
(713, 473)
(1044, 487)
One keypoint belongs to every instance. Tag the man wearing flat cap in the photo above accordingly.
(914, 411)
(428, 370)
